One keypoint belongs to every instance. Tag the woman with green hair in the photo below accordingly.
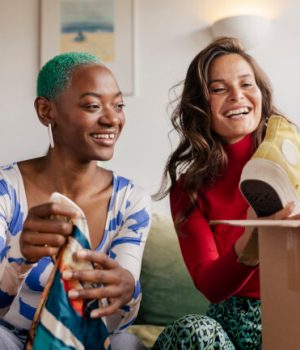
(80, 103)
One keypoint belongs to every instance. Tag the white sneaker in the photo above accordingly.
(271, 178)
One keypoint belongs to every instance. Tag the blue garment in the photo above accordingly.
(21, 283)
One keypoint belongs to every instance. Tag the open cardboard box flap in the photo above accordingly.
(279, 256)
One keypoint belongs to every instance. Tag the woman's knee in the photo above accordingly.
(194, 332)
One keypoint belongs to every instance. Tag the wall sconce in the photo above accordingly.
(249, 29)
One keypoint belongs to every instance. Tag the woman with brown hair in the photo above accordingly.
(221, 118)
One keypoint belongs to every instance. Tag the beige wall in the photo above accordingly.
(168, 33)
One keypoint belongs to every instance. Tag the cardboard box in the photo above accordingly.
(279, 255)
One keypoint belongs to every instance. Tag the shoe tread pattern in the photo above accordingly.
(261, 196)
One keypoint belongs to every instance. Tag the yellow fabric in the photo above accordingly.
(278, 130)
(146, 333)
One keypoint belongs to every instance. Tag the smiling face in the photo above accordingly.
(88, 115)
(235, 99)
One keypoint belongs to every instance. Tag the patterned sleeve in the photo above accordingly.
(13, 268)
(127, 248)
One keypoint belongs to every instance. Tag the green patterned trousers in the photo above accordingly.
(234, 324)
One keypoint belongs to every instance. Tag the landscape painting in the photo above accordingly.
(88, 26)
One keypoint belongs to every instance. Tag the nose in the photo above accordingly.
(110, 117)
(236, 94)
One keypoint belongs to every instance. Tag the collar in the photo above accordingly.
(240, 151)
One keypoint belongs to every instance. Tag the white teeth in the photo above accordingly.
(104, 136)
(242, 110)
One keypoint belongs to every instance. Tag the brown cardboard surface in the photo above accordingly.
(279, 251)
(258, 223)
(279, 255)
(293, 256)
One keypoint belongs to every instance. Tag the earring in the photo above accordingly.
(50, 135)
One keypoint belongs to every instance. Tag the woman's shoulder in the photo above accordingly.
(121, 183)
(177, 189)
(10, 174)
(8, 167)
(129, 193)
(12, 193)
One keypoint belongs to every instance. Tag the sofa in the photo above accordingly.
(168, 290)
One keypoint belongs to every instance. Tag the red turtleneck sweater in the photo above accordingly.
(208, 250)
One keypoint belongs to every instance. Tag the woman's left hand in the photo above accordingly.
(115, 283)
(246, 247)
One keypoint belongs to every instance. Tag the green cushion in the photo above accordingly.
(168, 290)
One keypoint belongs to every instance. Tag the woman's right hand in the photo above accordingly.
(246, 247)
(45, 230)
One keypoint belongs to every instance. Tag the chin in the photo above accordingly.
(104, 157)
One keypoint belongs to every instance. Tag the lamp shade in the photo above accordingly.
(249, 29)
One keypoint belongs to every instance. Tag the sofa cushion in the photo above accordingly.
(168, 290)
(146, 333)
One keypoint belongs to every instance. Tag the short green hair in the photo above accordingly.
(56, 74)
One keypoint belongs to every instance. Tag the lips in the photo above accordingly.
(108, 136)
(104, 138)
(241, 111)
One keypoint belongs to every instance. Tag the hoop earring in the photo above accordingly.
(51, 141)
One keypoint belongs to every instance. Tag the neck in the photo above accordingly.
(241, 151)
(69, 177)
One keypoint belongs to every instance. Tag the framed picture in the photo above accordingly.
(101, 27)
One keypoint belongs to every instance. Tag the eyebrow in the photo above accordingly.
(223, 80)
(119, 93)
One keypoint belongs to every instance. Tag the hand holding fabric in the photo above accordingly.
(110, 282)
(43, 236)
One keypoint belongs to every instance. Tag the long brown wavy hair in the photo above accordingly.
(200, 155)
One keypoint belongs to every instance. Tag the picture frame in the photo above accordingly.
(122, 64)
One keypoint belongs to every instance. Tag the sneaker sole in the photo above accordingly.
(261, 196)
(266, 198)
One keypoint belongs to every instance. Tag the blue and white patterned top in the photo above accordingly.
(21, 284)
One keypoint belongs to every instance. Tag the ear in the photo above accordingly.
(44, 110)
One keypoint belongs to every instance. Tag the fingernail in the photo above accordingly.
(73, 293)
(291, 204)
(94, 314)
(66, 275)
(82, 253)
